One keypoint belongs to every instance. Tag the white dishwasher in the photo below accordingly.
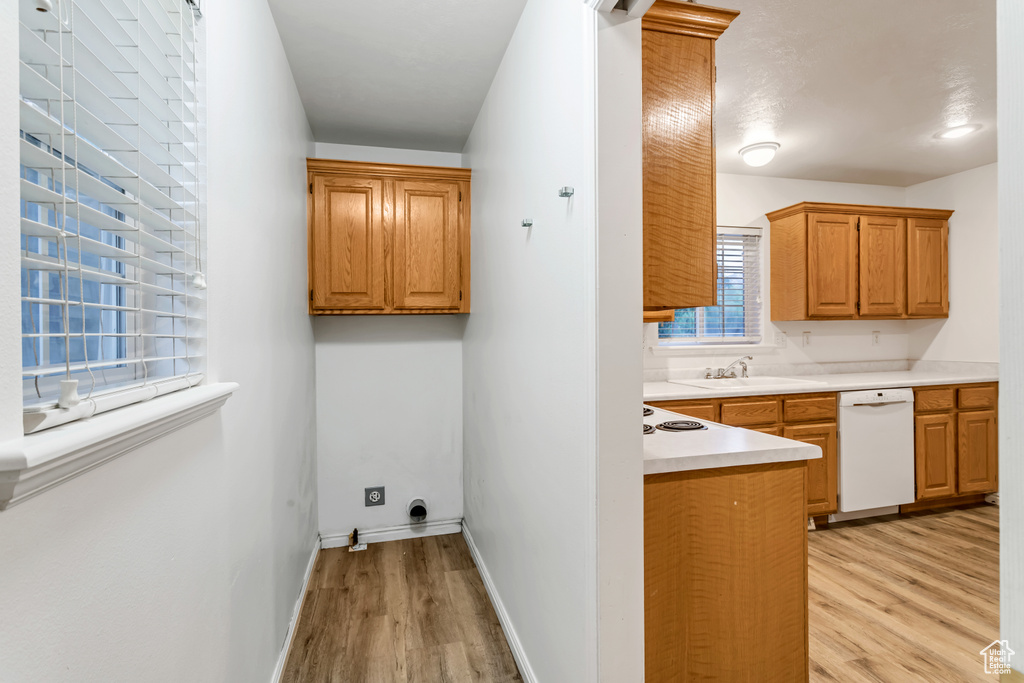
(876, 450)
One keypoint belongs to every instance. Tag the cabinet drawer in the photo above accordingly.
(809, 408)
(977, 397)
(753, 411)
(774, 431)
(938, 400)
(699, 410)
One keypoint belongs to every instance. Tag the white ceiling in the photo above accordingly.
(855, 90)
(395, 73)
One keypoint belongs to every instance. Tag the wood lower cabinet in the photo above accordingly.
(935, 455)
(678, 90)
(955, 441)
(810, 418)
(386, 239)
(846, 261)
(822, 474)
(725, 575)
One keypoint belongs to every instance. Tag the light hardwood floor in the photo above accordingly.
(400, 611)
(911, 598)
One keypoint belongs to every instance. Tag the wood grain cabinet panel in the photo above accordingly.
(822, 473)
(348, 227)
(678, 81)
(725, 575)
(976, 454)
(740, 412)
(427, 266)
(977, 397)
(883, 266)
(809, 408)
(928, 267)
(387, 238)
(831, 266)
(698, 410)
(849, 261)
(935, 456)
(934, 400)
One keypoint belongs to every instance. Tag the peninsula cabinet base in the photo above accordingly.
(725, 575)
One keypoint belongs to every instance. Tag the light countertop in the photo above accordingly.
(717, 446)
(669, 390)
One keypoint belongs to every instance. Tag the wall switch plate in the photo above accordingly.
(807, 338)
(781, 339)
(876, 338)
(374, 495)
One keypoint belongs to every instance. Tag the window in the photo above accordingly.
(737, 317)
(111, 263)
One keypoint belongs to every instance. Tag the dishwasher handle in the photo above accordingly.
(875, 397)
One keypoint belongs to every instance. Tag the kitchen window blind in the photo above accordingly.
(111, 264)
(737, 317)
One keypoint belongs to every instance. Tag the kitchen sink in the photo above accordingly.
(744, 382)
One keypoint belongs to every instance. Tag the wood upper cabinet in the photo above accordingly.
(845, 261)
(347, 227)
(678, 79)
(831, 265)
(427, 269)
(387, 238)
(928, 267)
(883, 265)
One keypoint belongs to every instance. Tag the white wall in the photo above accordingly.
(972, 331)
(183, 560)
(529, 356)
(389, 413)
(10, 287)
(1010, 62)
(372, 369)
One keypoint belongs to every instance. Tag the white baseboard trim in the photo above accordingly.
(514, 644)
(401, 532)
(283, 657)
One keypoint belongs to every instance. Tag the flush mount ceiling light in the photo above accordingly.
(759, 154)
(958, 131)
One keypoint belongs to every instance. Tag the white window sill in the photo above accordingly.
(37, 462)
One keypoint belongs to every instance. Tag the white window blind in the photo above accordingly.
(737, 317)
(111, 263)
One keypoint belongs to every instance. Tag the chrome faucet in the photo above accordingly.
(727, 372)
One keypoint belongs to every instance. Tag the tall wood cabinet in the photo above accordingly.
(844, 262)
(387, 238)
(678, 48)
(955, 441)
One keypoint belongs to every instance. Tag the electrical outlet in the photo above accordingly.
(780, 339)
(373, 495)
(876, 338)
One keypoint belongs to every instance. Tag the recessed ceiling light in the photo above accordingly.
(759, 154)
(958, 131)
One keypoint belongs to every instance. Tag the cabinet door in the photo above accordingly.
(976, 455)
(927, 267)
(347, 243)
(822, 474)
(883, 266)
(831, 266)
(935, 455)
(678, 171)
(426, 243)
